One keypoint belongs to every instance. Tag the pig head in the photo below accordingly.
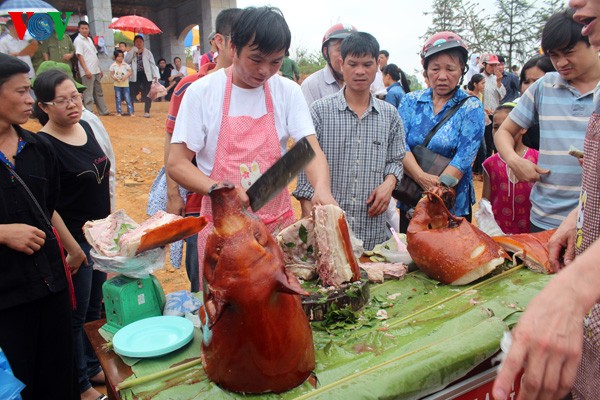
(256, 336)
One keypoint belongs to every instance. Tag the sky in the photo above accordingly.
(397, 25)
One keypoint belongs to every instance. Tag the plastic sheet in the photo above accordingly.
(140, 266)
(10, 387)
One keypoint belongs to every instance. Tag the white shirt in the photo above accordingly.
(199, 117)
(9, 44)
(492, 93)
(182, 70)
(377, 87)
(196, 56)
(87, 48)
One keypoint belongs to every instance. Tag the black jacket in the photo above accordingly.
(25, 278)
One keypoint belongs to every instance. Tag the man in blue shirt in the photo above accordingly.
(509, 81)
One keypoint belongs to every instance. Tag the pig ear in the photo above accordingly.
(288, 283)
(214, 305)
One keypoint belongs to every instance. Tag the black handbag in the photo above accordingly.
(408, 191)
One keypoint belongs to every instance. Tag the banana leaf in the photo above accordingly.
(433, 335)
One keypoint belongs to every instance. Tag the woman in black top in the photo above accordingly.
(85, 195)
(35, 310)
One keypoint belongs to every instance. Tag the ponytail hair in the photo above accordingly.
(474, 80)
(397, 75)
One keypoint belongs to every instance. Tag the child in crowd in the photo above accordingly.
(509, 198)
(120, 72)
(476, 87)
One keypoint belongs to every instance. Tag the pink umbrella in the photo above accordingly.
(136, 24)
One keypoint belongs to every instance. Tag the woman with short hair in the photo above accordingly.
(143, 72)
(444, 57)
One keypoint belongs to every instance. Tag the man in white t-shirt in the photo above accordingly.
(178, 72)
(22, 49)
(196, 54)
(237, 121)
(89, 68)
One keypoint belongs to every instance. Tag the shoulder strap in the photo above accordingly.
(18, 178)
(442, 121)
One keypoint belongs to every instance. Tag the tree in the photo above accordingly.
(413, 81)
(513, 31)
(446, 16)
(477, 34)
(308, 62)
(547, 9)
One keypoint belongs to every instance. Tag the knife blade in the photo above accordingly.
(280, 174)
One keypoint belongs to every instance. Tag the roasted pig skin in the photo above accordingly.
(256, 336)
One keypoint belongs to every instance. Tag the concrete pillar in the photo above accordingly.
(99, 14)
(210, 9)
(167, 45)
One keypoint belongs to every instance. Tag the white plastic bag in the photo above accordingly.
(485, 219)
(139, 266)
(157, 90)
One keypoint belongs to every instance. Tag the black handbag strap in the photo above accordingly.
(18, 178)
(442, 121)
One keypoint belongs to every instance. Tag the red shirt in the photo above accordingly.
(193, 202)
(178, 93)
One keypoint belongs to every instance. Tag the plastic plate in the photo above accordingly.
(153, 336)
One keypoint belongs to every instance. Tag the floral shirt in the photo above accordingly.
(459, 138)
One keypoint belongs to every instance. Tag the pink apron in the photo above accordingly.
(246, 147)
(587, 383)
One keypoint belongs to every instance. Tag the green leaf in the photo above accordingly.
(310, 250)
(303, 233)
(290, 244)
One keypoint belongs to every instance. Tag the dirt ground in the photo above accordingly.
(138, 146)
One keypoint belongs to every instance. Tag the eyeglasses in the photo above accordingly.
(64, 103)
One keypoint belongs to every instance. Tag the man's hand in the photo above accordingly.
(561, 246)
(547, 344)
(379, 199)
(22, 237)
(323, 197)
(67, 56)
(88, 74)
(175, 204)
(526, 171)
(75, 260)
(241, 192)
(498, 78)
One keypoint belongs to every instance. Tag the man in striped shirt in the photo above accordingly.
(561, 102)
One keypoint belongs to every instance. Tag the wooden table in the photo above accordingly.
(115, 370)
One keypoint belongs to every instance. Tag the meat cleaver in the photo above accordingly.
(280, 174)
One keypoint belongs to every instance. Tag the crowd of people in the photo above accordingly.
(233, 118)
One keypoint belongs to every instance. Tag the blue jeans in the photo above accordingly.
(191, 259)
(191, 262)
(120, 94)
(88, 291)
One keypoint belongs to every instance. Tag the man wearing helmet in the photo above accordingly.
(444, 58)
(328, 80)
